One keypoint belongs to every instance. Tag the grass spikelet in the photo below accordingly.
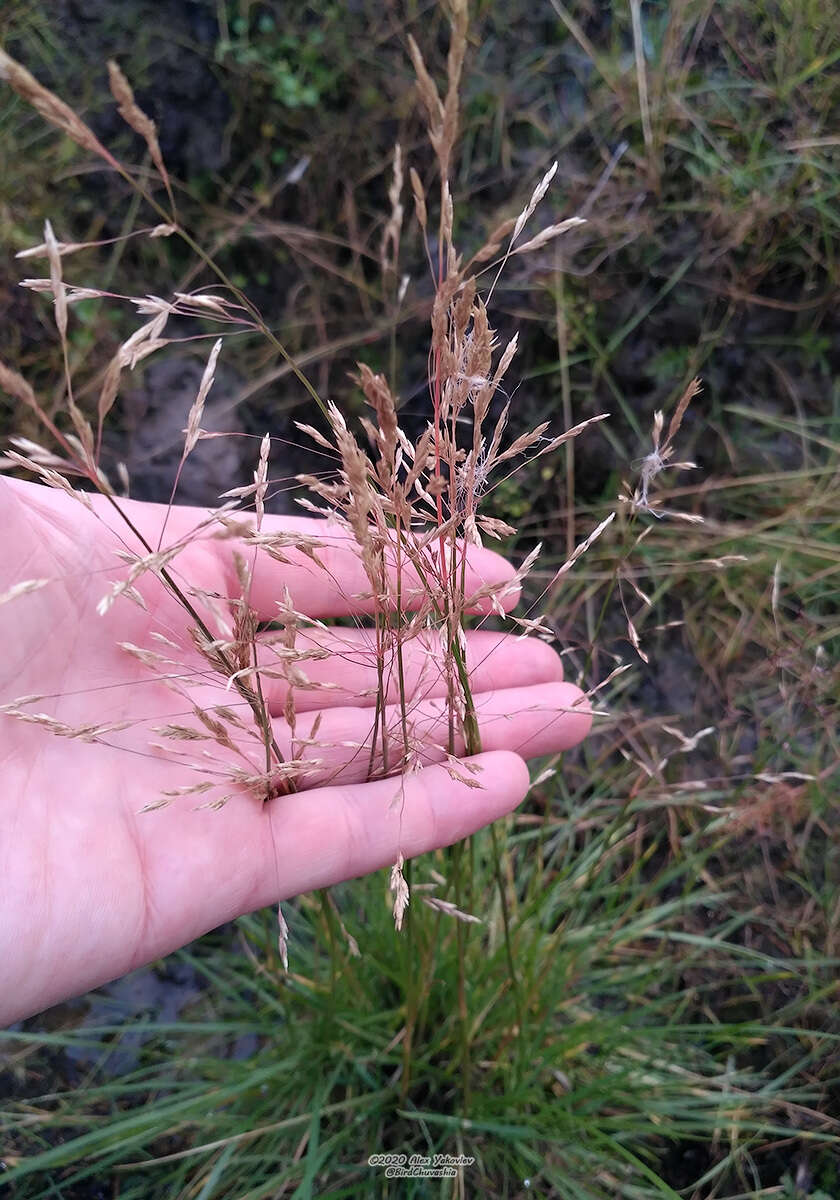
(197, 409)
(134, 116)
(13, 384)
(53, 110)
(399, 888)
(22, 589)
(450, 910)
(549, 234)
(531, 207)
(427, 92)
(419, 199)
(378, 396)
(93, 732)
(56, 282)
(261, 478)
(390, 249)
(282, 938)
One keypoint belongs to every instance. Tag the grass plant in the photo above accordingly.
(647, 1005)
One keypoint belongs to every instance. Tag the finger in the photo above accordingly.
(337, 585)
(254, 854)
(348, 675)
(334, 586)
(530, 721)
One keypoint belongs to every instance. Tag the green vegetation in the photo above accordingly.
(673, 888)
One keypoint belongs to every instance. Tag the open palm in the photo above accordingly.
(90, 886)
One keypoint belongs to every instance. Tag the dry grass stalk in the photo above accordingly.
(641, 76)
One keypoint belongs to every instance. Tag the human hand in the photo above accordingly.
(90, 887)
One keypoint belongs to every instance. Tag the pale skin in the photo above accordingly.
(90, 887)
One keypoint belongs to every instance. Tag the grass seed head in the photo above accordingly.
(399, 889)
(53, 110)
